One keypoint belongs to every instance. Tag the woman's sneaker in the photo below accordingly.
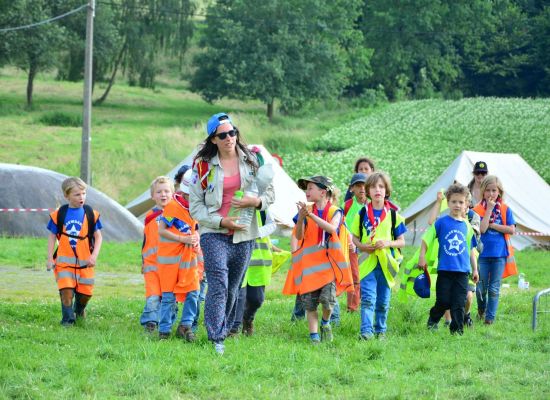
(219, 348)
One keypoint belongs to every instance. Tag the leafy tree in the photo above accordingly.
(292, 51)
(34, 49)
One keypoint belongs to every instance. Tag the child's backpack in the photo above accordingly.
(90, 217)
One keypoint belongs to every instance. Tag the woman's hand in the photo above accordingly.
(231, 224)
(246, 202)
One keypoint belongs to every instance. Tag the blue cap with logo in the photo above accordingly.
(422, 284)
(215, 121)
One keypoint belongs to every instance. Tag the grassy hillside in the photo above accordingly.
(137, 134)
(416, 141)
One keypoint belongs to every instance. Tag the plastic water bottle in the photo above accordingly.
(247, 214)
(521, 281)
(234, 212)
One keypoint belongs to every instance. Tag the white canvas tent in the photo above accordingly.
(283, 210)
(527, 194)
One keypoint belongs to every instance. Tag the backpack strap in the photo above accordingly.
(347, 206)
(61, 214)
(393, 219)
(90, 216)
(202, 169)
(362, 213)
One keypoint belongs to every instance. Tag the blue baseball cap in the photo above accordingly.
(422, 284)
(215, 121)
(358, 178)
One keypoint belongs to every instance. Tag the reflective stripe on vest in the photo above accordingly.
(149, 268)
(188, 264)
(71, 275)
(71, 261)
(150, 252)
(168, 259)
(314, 266)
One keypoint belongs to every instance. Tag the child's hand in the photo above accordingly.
(475, 276)
(191, 240)
(439, 197)
(381, 244)
(303, 212)
(351, 247)
(491, 204)
(422, 262)
(50, 265)
(92, 261)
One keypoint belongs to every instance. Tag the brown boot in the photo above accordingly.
(248, 328)
(185, 332)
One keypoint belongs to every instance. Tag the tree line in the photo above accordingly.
(294, 51)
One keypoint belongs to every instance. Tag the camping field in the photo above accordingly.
(139, 134)
(108, 355)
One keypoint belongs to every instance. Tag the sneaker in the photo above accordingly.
(326, 333)
(480, 315)
(67, 324)
(447, 323)
(380, 336)
(489, 322)
(468, 321)
(248, 328)
(366, 336)
(164, 335)
(185, 332)
(432, 326)
(233, 333)
(219, 348)
(315, 341)
(150, 327)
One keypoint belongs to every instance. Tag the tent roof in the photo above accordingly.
(31, 187)
(287, 193)
(527, 194)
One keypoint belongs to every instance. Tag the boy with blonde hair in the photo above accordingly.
(162, 190)
(76, 228)
(455, 259)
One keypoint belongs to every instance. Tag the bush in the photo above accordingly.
(59, 118)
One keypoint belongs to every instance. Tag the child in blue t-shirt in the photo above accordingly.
(455, 260)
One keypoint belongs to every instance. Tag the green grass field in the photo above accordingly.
(108, 355)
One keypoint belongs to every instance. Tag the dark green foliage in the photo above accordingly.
(291, 51)
(59, 118)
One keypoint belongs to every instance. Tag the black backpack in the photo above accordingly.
(90, 217)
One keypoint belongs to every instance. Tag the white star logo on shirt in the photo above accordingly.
(73, 231)
(454, 243)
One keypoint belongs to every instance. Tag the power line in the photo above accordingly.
(46, 21)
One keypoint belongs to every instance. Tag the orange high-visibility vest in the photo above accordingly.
(314, 266)
(71, 266)
(178, 262)
(510, 268)
(149, 254)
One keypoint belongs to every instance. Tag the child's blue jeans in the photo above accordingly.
(190, 307)
(488, 288)
(375, 302)
(151, 310)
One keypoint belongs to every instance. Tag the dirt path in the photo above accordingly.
(21, 284)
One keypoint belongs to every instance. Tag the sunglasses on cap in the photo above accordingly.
(223, 135)
(480, 173)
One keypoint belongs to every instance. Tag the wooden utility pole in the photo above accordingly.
(85, 157)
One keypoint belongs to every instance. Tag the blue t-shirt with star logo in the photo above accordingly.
(73, 224)
(456, 239)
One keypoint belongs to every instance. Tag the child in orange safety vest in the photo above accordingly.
(320, 269)
(162, 190)
(178, 261)
(76, 228)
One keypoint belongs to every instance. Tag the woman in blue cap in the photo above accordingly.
(222, 166)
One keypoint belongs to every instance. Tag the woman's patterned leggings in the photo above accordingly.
(225, 264)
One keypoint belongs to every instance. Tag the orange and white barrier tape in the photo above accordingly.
(27, 209)
(517, 233)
